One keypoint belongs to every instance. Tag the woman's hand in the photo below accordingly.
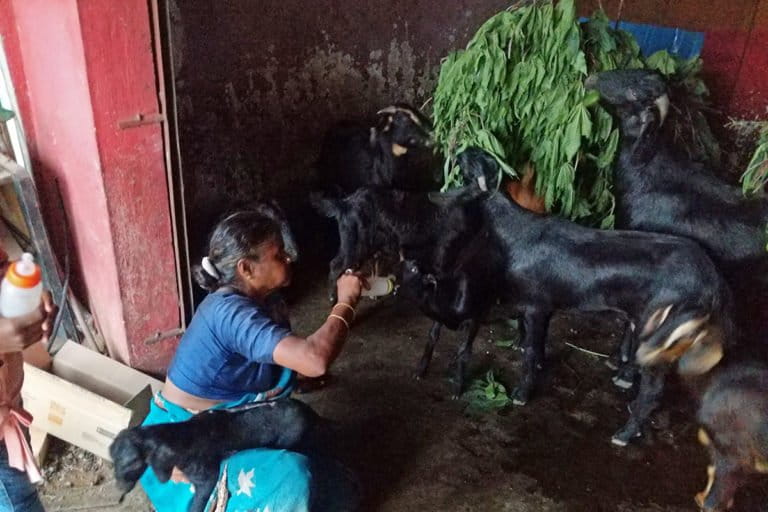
(19, 332)
(178, 476)
(349, 286)
(50, 314)
(312, 356)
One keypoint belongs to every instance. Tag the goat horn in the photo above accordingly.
(394, 110)
(662, 103)
(388, 110)
(687, 328)
(656, 319)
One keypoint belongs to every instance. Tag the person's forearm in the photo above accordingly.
(313, 355)
(328, 340)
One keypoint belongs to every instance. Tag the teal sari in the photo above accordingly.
(261, 480)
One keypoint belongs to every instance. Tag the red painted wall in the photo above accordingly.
(735, 49)
(85, 65)
(121, 76)
(750, 95)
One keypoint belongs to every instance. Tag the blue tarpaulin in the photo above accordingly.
(652, 38)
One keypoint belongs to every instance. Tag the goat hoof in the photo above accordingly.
(617, 441)
(621, 382)
(623, 437)
(612, 364)
(519, 397)
(421, 371)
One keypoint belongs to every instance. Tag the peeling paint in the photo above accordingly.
(283, 119)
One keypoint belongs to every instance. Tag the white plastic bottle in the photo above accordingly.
(378, 286)
(22, 288)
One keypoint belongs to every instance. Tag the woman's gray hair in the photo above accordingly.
(239, 235)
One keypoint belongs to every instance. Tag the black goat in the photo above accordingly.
(198, 446)
(667, 286)
(458, 298)
(734, 427)
(732, 413)
(448, 272)
(662, 190)
(354, 155)
(378, 220)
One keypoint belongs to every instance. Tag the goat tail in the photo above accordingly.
(324, 205)
(690, 336)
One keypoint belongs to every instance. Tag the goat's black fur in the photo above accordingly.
(733, 415)
(354, 154)
(552, 264)
(458, 298)
(198, 446)
(379, 220)
(660, 189)
(449, 273)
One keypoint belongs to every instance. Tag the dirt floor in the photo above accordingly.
(417, 449)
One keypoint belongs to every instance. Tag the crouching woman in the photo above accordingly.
(238, 348)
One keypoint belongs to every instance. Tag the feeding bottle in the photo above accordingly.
(22, 288)
(379, 286)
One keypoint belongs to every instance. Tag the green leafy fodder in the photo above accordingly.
(756, 175)
(486, 394)
(517, 92)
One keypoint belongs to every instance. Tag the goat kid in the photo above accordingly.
(376, 220)
(665, 285)
(458, 299)
(198, 446)
(448, 273)
(354, 155)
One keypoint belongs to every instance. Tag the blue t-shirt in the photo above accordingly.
(226, 350)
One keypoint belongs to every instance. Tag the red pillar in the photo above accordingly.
(88, 65)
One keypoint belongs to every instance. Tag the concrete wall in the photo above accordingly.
(260, 82)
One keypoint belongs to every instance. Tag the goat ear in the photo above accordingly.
(325, 206)
(672, 342)
(385, 123)
(162, 460)
(413, 116)
(643, 149)
(655, 320)
(128, 457)
(631, 95)
(391, 110)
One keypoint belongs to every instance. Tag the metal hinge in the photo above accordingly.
(162, 335)
(141, 119)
